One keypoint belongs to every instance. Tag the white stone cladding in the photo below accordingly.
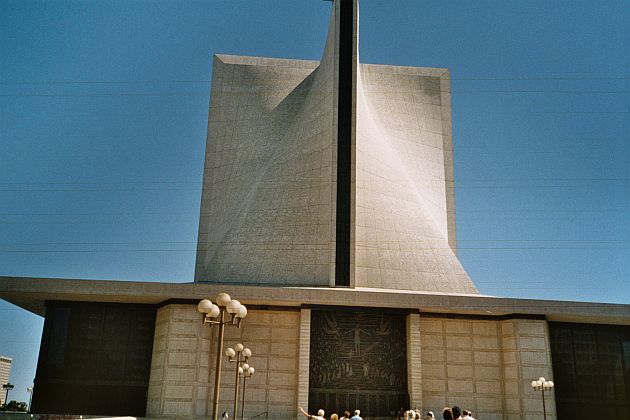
(179, 378)
(265, 214)
(181, 384)
(268, 212)
(414, 360)
(405, 225)
(485, 366)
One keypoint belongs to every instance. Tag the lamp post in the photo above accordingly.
(239, 355)
(7, 387)
(246, 371)
(542, 385)
(30, 397)
(215, 315)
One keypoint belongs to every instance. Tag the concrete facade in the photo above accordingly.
(270, 181)
(484, 365)
(405, 223)
(183, 367)
(479, 363)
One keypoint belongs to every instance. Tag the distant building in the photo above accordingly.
(5, 374)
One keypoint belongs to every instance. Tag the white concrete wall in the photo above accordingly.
(268, 211)
(405, 225)
(482, 365)
(179, 382)
(485, 366)
(265, 214)
(182, 370)
(526, 357)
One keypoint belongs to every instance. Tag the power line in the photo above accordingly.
(87, 95)
(533, 78)
(573, 92)
(195, 242)
(191, 81)
(175, 94)
(195, 214)
(150, 250)
(307, 179)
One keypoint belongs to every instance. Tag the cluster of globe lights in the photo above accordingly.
(542, 384)
(223, 300)
(246, 370)
(231, 352)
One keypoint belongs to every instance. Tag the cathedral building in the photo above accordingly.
(328, 210)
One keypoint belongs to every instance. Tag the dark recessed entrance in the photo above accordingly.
(358, 360)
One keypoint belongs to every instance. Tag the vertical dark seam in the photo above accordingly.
(344, 142)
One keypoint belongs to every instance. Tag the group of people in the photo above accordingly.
(334, 416)
(456, 413)
(449, 413)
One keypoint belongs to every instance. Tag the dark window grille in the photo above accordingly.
(591, 368)
(94, 359)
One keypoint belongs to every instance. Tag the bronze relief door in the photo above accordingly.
(358, 359)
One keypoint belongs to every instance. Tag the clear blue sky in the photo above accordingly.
(103, 112)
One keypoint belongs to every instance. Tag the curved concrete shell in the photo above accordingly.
(329, 173)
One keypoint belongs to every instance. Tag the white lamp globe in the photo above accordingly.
(240, 370)
(541, 380)
(242, 312)
(533, 384)
(245, 366)
(229, 352)
(233, 306)
(223, 299)
(251, 371)
(214, 311)
(247, 353)
(238, 347)
(550, 384)
(204, 306)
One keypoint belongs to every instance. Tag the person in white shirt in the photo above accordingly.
(356, 415)
(319, 416)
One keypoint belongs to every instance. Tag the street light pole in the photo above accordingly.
(542, 385)
(30, 398)
(8, 387)
(210, 312)
(234, 355)
(217, 370)
(246, 371)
